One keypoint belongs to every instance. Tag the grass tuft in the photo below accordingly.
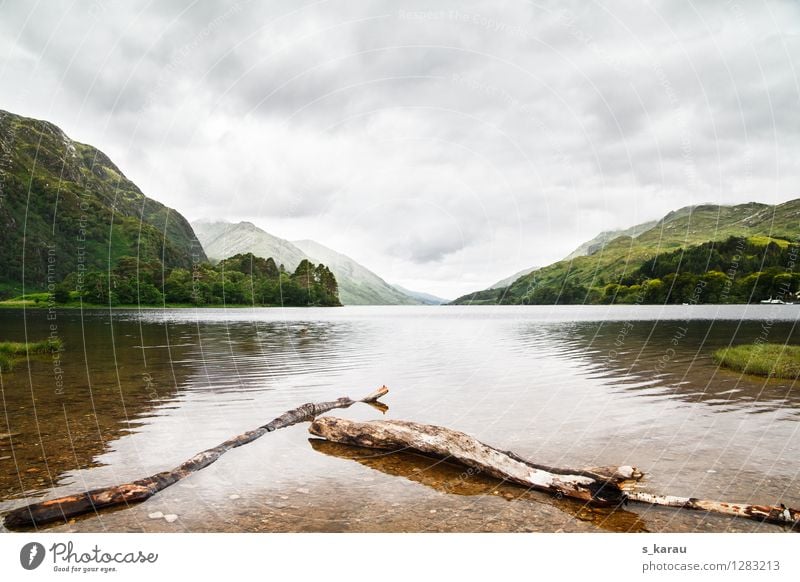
(6, 362)
(10, 352)
(775, 360)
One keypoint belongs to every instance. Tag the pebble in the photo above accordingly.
(302, 490)
(284, 497)
(234, 496)
(155, 515)
(170, 517)
(432, 511)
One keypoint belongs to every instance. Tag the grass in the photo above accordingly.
(762, 240)
(776, 360)
(11, 352)
(29, 299)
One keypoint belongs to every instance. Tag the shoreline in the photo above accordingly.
(78, 306)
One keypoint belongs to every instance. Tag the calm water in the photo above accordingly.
(569, 386)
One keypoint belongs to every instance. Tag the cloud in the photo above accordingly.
(444, 147)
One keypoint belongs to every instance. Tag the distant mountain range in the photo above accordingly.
(615, 257)
(66, 207)
(424, 298)
(357, 284)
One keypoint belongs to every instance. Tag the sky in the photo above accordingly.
(444, 145)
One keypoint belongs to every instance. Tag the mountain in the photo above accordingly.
(65, 207)
(599, 242)
(590, 247)
(425, 298)
(508, 280)
(357, 284)
(621, 257)
(223, 239)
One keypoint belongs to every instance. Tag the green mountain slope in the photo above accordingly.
(599, 242)
(65, 207)
(619, 258)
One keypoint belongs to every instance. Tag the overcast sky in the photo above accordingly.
(443, 145)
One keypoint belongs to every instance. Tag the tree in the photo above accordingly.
(178, 287)
(714, 290)
(149, 295)
(61, 293)
(328, 287)
(272, 270)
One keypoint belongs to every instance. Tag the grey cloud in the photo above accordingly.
(467, 141)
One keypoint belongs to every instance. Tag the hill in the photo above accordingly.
(357, 284)
(585, 278)
(508, 280)
(222, 239)
(66, 207)
(599, 242)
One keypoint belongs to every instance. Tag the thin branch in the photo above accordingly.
(64, 508)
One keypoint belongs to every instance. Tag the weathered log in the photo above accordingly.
(609, 485)
(63, 508)
(601, 486)
(780, 515)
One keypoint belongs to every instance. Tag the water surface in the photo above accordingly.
(571, 386)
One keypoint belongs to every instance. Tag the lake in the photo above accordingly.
(571, 386)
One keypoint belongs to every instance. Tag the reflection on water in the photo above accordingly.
(674, 358)
(565, 386)
(458, 480)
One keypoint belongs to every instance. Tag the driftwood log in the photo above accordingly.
(63, 508)
(605, 486)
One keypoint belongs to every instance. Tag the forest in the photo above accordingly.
(736, 270)
(243, 279)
